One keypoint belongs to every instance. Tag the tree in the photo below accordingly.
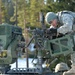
(22, 8)
(35, 7)
(0, 12)
(28, 10)
(8, 10)
(60, 5)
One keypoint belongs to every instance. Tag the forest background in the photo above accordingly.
(28, 10)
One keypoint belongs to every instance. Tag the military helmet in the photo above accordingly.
(61, 67)
(50, 16)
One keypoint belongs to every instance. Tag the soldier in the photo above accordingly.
(65, 18)
(61, 67)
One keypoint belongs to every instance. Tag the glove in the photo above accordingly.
(51, 31)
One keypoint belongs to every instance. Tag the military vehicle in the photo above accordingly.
(10, 39)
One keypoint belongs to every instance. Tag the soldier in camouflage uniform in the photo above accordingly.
(66, 19)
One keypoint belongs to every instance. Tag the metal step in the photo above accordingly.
(28, 71)
(24, 70)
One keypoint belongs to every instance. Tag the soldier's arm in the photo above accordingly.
(67, 20)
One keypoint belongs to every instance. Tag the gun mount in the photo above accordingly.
(63, 45)
(53, 47)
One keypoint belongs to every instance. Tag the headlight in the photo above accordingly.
(3, 54)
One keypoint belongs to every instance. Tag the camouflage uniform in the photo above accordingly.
(67, 20)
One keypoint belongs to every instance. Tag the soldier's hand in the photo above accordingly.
(51, 31)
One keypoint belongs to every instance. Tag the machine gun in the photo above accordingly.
(61, 45)
(10, 36)
(53, 47)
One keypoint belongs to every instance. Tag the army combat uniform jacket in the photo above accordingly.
(66, 18)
